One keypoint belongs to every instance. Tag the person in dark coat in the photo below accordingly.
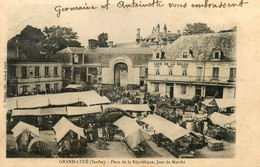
(94, 132)
(104, 132)
(193, 126)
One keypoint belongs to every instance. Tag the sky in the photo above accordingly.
(120, 24)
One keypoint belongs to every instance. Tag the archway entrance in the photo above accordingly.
(121, 74)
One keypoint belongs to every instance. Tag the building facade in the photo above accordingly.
(119, 64)
(33, 78)
(202, 64)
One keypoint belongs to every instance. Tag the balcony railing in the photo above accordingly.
(189, 78)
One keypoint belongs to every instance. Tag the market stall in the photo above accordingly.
(223, 127)
(44, 118)
(38, 101)
(23, 133)
(83, 115)
(177, 140)
(134, 134)
(73, 87)
(70, 138)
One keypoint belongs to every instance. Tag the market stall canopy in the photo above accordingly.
(225, 103)
(221, 119)
(126, 124)
(74, 86)
(167, 128)
(97, 100)
(40, 111)
(22, 126)
(133, 133)
(37, 101)
(207, 102)
(129, 107)
(83, 110)
(62, 127)
(69, 110)
(221, 103)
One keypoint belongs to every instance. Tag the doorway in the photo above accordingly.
(120, 74)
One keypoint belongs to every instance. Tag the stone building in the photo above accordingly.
(202, 64)
(119, 64)
(26, 78)
(112, 66)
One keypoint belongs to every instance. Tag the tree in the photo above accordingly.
(102, 40)
(58, 38)
(197, 28)
(32, 44)
(27, 46)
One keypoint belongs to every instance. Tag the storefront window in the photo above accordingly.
(156, 87)
(183, 89)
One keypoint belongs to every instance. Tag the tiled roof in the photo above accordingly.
(132, 50)
(78, 50)
(203, 46)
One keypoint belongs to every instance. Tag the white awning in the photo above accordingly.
(207, 102)
(64, 126)
(34, 101)
(22, 126)
(83, 110)
(96, 101)
(126, 124)
(133, 133)
(221, 119)
(40, 111)
(129, 107)
(225, 103)
(167, 128)
(74, 86)
(37, 101)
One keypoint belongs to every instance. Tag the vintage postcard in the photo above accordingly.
(129, 82)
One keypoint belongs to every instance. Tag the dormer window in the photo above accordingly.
(76, 58)
(185, 55)
(216, 55)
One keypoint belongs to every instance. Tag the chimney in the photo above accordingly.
(92, 43)
(110, 44)
(164, 31)
(138, 35)
(179, 32)
(158, 32)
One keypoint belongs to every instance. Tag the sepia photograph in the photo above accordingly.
(84, 86)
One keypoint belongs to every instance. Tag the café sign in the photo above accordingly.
(170, 64)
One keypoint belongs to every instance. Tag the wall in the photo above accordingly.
(229, 92)
(190, 91)
(31, 80)
(191, 67)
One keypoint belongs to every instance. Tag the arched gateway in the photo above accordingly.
(122, 67)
